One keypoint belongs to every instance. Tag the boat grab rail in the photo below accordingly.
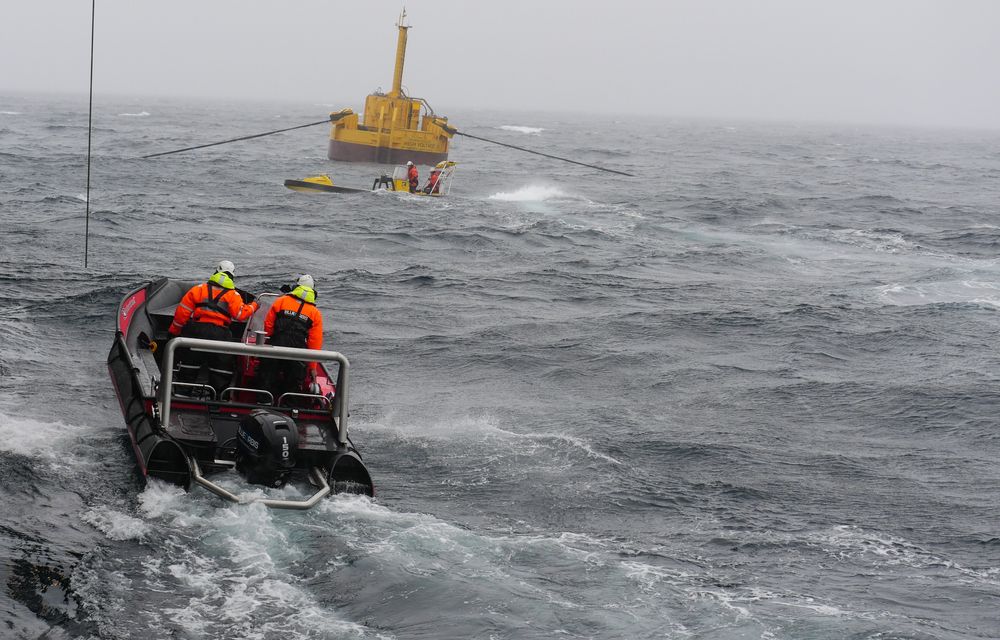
(228, 391)
(339, 409)
(314, 474)
(307, 396)
(196, 385)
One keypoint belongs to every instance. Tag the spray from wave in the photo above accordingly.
(530, 193)
(531, 131)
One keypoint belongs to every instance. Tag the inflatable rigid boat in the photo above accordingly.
(187, 432)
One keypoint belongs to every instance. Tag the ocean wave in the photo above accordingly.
(531, 193)
(116, 525)
(10, 113)
(141, 114)
(62, 446)
(486, 427)
(207, 555)
(520, 129)
(946, 292)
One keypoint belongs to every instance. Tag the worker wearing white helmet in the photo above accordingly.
(293, 321)
(206, 311)
(413, 176)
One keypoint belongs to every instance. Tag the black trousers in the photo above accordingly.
(282, 376)
(192, 365)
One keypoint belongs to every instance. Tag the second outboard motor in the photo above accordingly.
(266, 443)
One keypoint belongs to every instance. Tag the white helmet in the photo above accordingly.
(305, 281)
(225, 266)
(409, 163)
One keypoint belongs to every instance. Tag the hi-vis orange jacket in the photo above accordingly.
(293, 322)
(413, 177)
(211, 303)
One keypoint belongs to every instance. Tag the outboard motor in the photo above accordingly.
(266, 443)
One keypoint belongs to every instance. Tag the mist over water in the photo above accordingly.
(750, 393)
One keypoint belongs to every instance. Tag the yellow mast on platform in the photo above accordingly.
(393, 131)
(397, 76)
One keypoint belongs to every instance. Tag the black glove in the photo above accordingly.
(286, 288)
(246, 295)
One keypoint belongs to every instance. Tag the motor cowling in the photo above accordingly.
(266, 443)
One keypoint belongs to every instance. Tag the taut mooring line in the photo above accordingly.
(539, 153)
(256, 135)
(450, 130)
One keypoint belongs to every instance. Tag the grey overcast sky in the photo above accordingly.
(910, 62)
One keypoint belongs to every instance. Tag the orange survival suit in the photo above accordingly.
(414, 177)
(293, 321)
(205, 312)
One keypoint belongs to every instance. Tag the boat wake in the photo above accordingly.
(221, 572)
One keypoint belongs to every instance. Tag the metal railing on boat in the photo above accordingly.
(338, 410)
(314, 474)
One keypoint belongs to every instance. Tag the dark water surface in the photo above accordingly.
(751, 393)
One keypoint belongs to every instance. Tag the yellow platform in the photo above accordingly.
(395, 128)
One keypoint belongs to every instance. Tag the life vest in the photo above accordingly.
(414, 178)
(211, 309)
(291, 327)
(203, 305)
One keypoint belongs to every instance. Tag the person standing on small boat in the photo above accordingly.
(434, 182)
(413, 176)
(206, 311)
(293, 321)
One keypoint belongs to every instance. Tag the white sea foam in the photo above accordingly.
(574, 441)
(229, 569)
(881, 241)
(10, 113)
(226, 566)
(34, 438)
(519, 129)
(485, 426)
(954, 291)
(159, 498)
(530, 193)
(141, 114)
(116, 525)
(649, 576)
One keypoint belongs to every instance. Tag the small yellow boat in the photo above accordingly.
(319, 184)
(438, 182)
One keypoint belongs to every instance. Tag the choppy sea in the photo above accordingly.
(751, 392)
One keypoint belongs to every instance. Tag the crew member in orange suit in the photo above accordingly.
(206, 311)
(293, 321)
(413, 176)
(434, 182)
